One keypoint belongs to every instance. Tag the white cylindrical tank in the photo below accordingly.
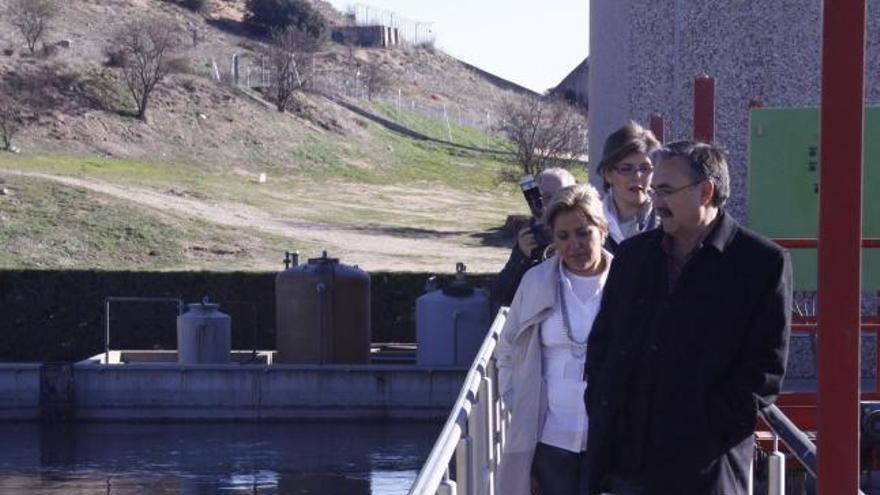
(204, 335)
(451, 323)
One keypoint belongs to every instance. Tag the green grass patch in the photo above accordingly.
(50, 225)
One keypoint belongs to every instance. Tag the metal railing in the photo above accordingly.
(113, 299)
(799, 445)
(466, 453)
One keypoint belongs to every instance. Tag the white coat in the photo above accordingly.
(520, 375)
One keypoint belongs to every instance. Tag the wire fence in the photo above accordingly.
(410, 31)
(353, 84)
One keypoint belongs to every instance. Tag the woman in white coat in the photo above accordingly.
(542, 348)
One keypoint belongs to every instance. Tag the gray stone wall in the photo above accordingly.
(764, 49)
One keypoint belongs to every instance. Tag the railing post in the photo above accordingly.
(447, 486)
(477, 437)
(463, 463)
(776, 470)
(496, 411)
(487, 406)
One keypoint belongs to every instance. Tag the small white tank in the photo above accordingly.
(203, 335)
(451, 323)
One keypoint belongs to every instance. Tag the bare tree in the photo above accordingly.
(145, 49)
(32, 17)
(376, 78)
(546, 132)
(291, 57)
(11, 120)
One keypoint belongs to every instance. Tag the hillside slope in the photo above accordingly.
(188, 176)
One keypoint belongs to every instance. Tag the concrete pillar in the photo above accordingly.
(609, 84)
(56, 392)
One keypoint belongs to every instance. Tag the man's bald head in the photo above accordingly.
(551, 180)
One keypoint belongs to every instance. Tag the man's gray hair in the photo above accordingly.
(564, 176)
(706, 161)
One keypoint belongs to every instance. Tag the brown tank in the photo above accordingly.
(322, 313)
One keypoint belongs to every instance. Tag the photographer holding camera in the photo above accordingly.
(532, 240)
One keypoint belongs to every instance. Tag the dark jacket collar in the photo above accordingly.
(722, 233)
(719, 237)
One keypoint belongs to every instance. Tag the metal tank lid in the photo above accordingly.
(324, 260)
(460, 286)
(204, 304)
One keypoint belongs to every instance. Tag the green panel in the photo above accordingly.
(783, 185)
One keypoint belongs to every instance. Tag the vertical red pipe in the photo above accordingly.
(704, 109)
(840, 221)
(656, 124)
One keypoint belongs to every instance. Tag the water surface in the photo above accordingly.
(185, 458)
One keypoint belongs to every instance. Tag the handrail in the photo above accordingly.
(804, 243)
(797, 441)
(465, 432)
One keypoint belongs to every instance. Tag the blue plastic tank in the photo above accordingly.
(451, 323)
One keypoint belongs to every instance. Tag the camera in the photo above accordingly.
(533, 197)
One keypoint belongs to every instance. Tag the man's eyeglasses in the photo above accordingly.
(630, 170)
(665, 192)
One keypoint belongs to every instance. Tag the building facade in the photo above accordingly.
(645, 54)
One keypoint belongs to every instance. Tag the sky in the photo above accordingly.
(533, 46)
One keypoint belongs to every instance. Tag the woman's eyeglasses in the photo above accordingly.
(630, 170)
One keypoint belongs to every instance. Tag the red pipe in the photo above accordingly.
(656, 124)
(704, 109)
(840, 241)
(870, 243)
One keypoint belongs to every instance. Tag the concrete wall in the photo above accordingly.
(19, 391)
(367, 36)
(575, 87)
(239, 392)
(644, 55)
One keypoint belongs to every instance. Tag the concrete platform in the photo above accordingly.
(151, 386)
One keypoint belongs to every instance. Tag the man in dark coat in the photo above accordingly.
(691, 339)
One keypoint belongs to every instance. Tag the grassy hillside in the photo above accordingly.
(95, 188)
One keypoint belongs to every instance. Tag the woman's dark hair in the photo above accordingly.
(631, 138)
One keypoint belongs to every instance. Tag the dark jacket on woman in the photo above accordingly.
(676, 373)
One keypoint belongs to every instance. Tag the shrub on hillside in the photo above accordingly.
(265, 15)
(146, 47)
(194, 5)
(116, 56)
(32, 18)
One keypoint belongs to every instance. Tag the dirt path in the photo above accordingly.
(371, 250)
